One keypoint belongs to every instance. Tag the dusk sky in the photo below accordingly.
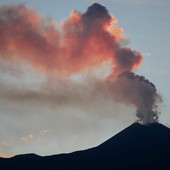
(61, 89)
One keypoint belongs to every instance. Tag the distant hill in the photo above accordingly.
(136, 147)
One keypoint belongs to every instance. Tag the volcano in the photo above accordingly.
(136, 147)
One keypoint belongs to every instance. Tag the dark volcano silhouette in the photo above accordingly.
(136, 147)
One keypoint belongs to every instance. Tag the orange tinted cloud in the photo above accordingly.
(84, 40)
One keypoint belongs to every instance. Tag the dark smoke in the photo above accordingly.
(138, 91)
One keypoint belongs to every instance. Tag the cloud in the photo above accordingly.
(28, 138)
(44, 132)
(31, 38)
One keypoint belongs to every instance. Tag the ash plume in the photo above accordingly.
(84, 41)
(139, 92)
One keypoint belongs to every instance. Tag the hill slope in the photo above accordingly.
(136, 147)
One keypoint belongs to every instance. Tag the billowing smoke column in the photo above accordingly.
(83, 42)
(135, 90)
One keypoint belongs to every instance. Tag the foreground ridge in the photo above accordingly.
(136, 147)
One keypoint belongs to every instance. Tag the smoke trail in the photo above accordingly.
(83, 42)
(137, 91)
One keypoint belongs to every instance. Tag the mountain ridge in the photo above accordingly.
(137, 146)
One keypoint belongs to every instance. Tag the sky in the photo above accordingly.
(50, 106)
